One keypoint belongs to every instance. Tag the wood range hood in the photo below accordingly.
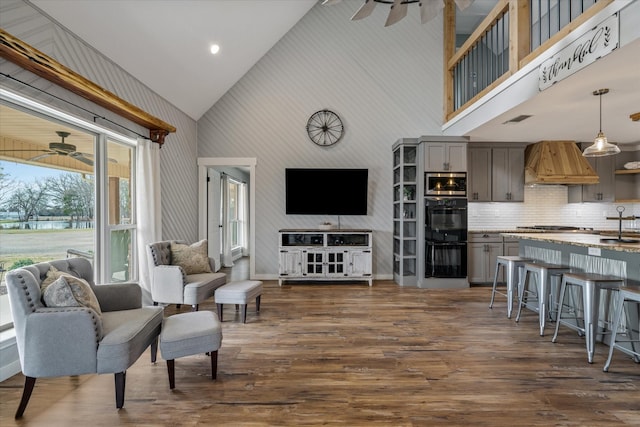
(557, 162)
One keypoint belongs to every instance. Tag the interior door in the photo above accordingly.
(214, 221)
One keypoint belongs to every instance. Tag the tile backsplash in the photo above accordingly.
(547, 205)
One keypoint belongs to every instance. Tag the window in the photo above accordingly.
(66, 190)
(236, 209)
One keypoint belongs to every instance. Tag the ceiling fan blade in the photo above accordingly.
(398, 11)
(81, 158)
(330, 2)
(90, 156)
(42, 156)
(364, 11)
(429, 9)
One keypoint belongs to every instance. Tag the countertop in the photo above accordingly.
(608, 232)
(577, 239)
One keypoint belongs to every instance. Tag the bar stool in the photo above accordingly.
(591, 285)
(629, 294)
(543, 273)
(511, 266)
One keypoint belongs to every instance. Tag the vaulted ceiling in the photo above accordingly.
(165, 44)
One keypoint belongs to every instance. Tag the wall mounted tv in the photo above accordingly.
(326, 191)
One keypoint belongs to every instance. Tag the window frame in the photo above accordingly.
(102, 137)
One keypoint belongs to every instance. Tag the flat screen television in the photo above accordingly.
(326, 191)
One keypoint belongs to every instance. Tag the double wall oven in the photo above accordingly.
(445, 226)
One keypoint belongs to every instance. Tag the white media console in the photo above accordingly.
(328, 255)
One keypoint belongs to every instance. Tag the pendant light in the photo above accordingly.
(600, 145)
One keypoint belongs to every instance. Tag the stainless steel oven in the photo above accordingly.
(443, 184)
(446, 237)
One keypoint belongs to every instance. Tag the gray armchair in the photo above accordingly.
(171, 285)
(65, 341)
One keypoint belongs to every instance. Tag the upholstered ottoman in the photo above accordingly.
(187, 334)
(238, 293)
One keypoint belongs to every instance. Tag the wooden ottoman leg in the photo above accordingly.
(171, 369)
(154, 350)
(219, 309)
(243, 312)
(120, 380)
(214, 364)
(258, 303)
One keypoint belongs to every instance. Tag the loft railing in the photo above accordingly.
(511, 35)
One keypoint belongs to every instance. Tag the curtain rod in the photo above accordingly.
(95, 116)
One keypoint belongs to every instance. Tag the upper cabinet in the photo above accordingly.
(508, 174)
(604, 191)
(479, 179)
(496, 173)
(444, 154)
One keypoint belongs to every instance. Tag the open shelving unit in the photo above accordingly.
(627, 181)
(627, 185)
(407, 194)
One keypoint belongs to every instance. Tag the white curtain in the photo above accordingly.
(148, 209)
(227, 256)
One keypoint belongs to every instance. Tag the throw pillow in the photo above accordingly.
(58, 296)
(194, 259)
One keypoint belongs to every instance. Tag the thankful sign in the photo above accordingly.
(594, 44)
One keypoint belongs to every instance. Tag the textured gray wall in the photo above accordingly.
(178, 155)
(385, 83)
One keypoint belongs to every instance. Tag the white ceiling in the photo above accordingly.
(165, 45)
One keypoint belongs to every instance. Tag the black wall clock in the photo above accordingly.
(325, 128)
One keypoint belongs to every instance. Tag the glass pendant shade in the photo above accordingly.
(601, 147)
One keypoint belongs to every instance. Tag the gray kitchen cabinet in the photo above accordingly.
(479, 178)
(496, 173)
(511, 248)
(444, 154)
(507, 184)
(604, 191)
(483, 248)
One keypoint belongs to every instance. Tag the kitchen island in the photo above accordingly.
(583, 251)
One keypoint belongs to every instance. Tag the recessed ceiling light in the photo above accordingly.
(215, 49)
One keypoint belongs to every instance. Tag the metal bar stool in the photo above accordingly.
(591, 285)
(512, 266)
(543, 274)
(629, 294)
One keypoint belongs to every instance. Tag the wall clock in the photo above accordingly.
(325, 128)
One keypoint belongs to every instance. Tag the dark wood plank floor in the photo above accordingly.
(351, 355)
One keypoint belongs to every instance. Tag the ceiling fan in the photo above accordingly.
(62, 149)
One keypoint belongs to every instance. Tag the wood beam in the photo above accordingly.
(449, 49)
(31, 59)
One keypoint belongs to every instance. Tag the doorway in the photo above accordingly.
(210, 170)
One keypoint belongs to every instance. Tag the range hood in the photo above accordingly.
(557, 162)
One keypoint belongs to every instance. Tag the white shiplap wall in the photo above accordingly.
(178, 155)
(385, 83)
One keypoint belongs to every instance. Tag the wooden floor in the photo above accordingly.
(354, 355)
